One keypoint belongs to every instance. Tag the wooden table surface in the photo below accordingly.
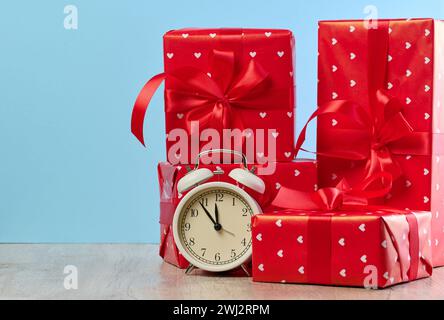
(134, 271)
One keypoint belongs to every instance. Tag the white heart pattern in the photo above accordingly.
(426, 171)
(427, 60)
(390, 86)
(213, 35)
(334, 95)
(268, 34)
(362, 227)
(386, 275)
(408, 45)
(297, 173)
(253, 54)
(426, 116)
(334, 68)
(334, 41)
(408, 73)
(261, 267)
(427, 32)
(263, 115)
(280, 54)
(197, 55)
(301, 270)
(390, 58)
(170, 55)
(384, 244)
(275, 134)
(426, 199)
(278, 186)
(259, 237)
(341, 242)
(334, 122)
(287, 154)
(427, 88)
(343, 273)
(290, 114)
(279, 223)
(408, 100)
(185, 35)
(352, 56)
(364, 258)
(352, 29)
(408, 184)
(280, 253)
(352, 83)
(301, 239)
(180, 115)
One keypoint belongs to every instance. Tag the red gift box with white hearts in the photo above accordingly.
(225, 88)
(298, 175)
(373, 249)
(379, 98)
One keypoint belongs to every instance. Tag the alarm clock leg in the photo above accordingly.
(189, 269)
(245, 268)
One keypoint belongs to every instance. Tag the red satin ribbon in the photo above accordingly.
(210, 98)
(372, 133)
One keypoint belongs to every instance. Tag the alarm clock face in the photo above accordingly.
(212, 226)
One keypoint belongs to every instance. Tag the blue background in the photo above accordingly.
(70, 171)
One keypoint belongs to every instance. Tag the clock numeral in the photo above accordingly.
(192, 242)
(244, 212)
(194, 213)
(187, 226)
(217, 256)
(204, 202)
(219, 197)
(249, 227)
(234, 202)
(203, 251)
(244, 242)
(233, 253)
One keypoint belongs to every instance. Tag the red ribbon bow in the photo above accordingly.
(209, 98)
(339, 198)
(376, 135)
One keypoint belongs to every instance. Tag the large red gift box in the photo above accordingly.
(225, 88)
(298, 175)
(361, 249)
(381, 100)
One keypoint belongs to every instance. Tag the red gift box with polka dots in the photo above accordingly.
(391, 70)
(230, 79)
(360, 249)
(298, 175)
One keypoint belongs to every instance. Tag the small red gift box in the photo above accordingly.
(225, 88)
(361, 249)
(380, 109)
(298, 175)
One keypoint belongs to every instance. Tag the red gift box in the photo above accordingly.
(225, 88)
(373, 249)
(380, 96)
(298, 175)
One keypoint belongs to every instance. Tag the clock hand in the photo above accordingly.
(217, 226)
(216, 213)
(230, 233)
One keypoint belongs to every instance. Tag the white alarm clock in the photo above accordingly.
(212, 223)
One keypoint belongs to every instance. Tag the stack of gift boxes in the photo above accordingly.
(369, 210)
